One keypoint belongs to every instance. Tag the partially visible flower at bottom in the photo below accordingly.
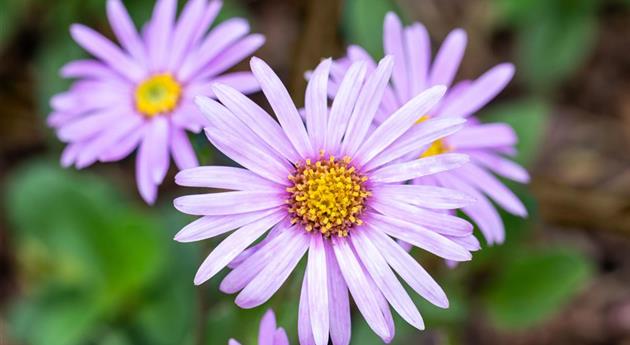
(336, 190)
(268, 333)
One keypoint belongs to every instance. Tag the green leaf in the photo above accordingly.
(363, 23)
(532, 286)
(529, 118)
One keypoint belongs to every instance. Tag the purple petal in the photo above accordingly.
(226, 203)
(224, 178)
(233, 342)
(146, 186)
(159, 34)
(88, 69)
(441, 223)
(267, 328)
(418, 48)
(338, 301)
(490, 185)
(233, 55)
(366, 106)
(483, 136)
(305, 332)
(269, 280)
(125, 30)
(343, 104)
(408, 268)
(88, 126)
(123, 147)
(211, 226)
(219, 39)
(364, 297)
(423, 196)
(244, 82)
(419, 237)
(186, 26)
(399, 123)
(280, 337)
(100, 47)
(417, 137)
(251, 267)
(480, 92)
(209, 14)
(158, 141)
(257, 120)
(500, 165)
(482, 212)
(283, 107)
(229, 248)
(386, 280)
(419, 167)
(393, 44)
(316, 104)
(181, 150)
(318, 290)
(448, 58)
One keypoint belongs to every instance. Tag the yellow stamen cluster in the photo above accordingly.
(437, 148)
(328, 196)
(158, 94)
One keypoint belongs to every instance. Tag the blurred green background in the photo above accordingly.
(84, 261)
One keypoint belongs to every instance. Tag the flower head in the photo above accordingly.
(486, 144)
(335, 189)
(268, 333)
(140, 94)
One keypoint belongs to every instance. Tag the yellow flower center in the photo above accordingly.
(328, 196)
(437, 148)
(158, 95)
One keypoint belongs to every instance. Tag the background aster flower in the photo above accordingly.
(329, 189)
(268, 334)
(140, 95)
(486, 144)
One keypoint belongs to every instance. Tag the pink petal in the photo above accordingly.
(343, 104)
(480, 92)
(418, 48)
(283, 107)
(393, 44)
(224, 178)
(269, 280)
(338, 300)
(232, 55)
(386, 280)
(408, 268)
(159, 34)
(423, 196)
(225, 203)
(229, 248)
(483, 136)
(448, 58)
(318, 290)
(500, 165)
(158, 141)
(316, 104)
(100, 47)
(366, 106)
(401, 172)
(211, 226)
(183, 35)
(267, 328)
(399, 123)
(125, 30)
(305, 331)
(181, 150)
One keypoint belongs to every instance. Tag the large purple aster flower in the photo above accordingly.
(333, 188)
(141, 95)
(486, 144)
(268, 334)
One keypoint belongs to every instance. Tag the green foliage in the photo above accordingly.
(363, 23)
(91, 258)
(534, 285)
(554, 37)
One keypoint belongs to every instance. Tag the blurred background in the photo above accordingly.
(83, 261)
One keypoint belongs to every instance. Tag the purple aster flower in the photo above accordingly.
(486, 144)
(268, 333)
(334, 189)
(141, 94)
